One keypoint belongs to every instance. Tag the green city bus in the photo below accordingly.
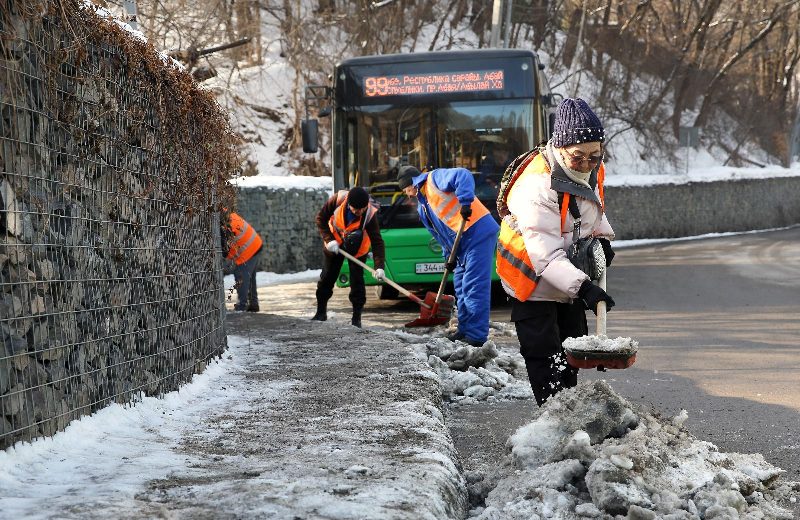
(476, 109)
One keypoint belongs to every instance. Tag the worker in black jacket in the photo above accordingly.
(347, 221)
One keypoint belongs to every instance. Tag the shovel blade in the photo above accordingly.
(437, 314)
(600, 352)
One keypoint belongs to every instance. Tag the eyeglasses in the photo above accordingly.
(578, 159)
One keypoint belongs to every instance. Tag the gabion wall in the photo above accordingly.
(112, 165)
(680, 210)
(285, 218)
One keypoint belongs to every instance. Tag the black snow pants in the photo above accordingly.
(541, 328)
(327, 279)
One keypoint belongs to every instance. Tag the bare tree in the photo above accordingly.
(658, 64)
(697, 62)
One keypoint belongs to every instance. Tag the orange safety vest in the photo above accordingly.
(514, 265)
(340, 230)
(246, 242)
(447, 207)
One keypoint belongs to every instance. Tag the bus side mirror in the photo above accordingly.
(324, 112)
(310, 130)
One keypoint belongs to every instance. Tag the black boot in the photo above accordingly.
(322, 311)
(356, 321)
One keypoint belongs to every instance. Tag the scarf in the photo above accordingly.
(574, 175)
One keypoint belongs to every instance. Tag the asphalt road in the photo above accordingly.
(718, 322)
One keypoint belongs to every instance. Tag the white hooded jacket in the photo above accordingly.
(534, 205)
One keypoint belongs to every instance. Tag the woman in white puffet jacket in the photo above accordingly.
(562, 182)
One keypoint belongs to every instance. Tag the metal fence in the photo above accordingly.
(111, 171)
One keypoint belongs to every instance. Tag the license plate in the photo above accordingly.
(430, 268)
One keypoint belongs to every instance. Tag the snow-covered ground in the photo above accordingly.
(287, 424)
(262, 432)
(108, 456)
(290, 423)
(265, 279)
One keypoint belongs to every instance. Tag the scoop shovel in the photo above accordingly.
(600, 351)
(433, 315)
(438, 302)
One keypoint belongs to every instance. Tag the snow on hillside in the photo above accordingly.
(261, 98)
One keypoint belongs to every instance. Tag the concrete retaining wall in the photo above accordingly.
(285, 218)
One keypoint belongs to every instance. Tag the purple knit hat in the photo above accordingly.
(576, 123)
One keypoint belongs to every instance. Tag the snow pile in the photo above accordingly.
(285, 182)
(592, 454)
(601, 343)
(469, 374)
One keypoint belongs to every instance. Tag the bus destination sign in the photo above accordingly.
(433, 83)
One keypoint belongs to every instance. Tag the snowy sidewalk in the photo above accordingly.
(299, 420)
(307, 420)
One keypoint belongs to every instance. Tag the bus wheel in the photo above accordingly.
(386, 292)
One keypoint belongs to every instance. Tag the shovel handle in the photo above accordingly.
(601, 307)
(450, 260)
(403, 290)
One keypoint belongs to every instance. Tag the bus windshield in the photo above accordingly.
(481, 136)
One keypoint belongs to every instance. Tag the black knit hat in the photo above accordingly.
(405, 176)
(576, 123)
(358, 197)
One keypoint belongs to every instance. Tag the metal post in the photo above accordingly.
(507, 25)
(497, 8)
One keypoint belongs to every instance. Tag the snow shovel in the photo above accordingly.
(427, 311)
(600, 351)
(438, 302)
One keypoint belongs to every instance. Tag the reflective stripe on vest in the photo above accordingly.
(337, 223)
(448, 209)
(245, 242)
(514, 265)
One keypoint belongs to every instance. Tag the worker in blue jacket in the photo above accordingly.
(446, 196)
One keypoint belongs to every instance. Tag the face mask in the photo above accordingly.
(574, 175)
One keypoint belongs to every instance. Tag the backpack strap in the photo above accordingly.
(568, 203)
(510, 176)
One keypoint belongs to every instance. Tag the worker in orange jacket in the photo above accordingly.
(243, 246)
(348, 221)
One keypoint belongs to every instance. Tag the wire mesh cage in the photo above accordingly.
(112, 170)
